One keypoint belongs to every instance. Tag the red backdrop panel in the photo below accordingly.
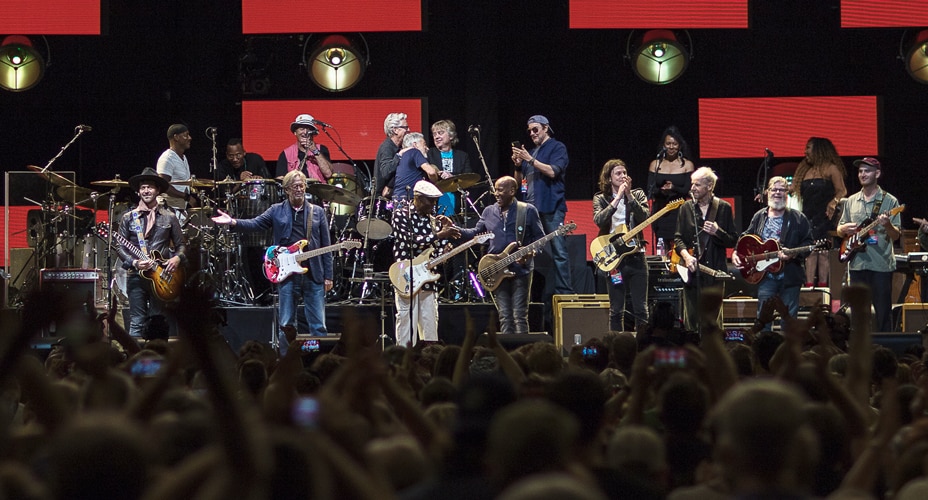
(50, 17)
(635, 14)
(883, 13)
(358, 124)
(743, 127)
(323, 16)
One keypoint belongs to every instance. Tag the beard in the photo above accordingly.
(776, 204)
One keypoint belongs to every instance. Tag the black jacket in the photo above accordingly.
(796, 232)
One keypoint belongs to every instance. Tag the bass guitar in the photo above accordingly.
(282, 261)
(494, 268)
(677, 266)
(757, 257)
(167, 286)
(409, 279)
(858, 241)
(608, 250)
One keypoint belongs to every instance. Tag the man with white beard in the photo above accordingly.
(792, 230)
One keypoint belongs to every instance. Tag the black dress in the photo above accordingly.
(816, 195)
(666, 226)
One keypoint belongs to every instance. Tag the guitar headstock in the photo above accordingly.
(897, 210)
(484, 237)
(676, 204)
(349, 244)
(567, 228)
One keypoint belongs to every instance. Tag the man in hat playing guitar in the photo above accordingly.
(148, 234)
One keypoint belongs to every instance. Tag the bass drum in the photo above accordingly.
(253, 199)
(348, 183)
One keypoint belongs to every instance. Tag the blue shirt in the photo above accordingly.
(546, 193)
(408, 173)
(503, 228)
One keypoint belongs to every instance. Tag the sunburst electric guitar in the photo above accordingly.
(167, 286)
(608, 250)
(408, 278)
(494, 268)
(857, 242)
(282, 261)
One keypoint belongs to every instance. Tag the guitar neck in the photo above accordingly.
(441, 259)
(134, 250)
(647, 222)
(522, 252)
(788, 251)
(317, 252)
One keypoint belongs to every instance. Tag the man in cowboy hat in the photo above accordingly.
(305, 155)
(151, 228)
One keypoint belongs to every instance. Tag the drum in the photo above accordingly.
(376, 224)
(347, 182)
(253, 199)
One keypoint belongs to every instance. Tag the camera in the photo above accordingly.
(145, 367)
(590, 352)
(517, 144)
(311, 345)
(734, 336)
(305, 412)
(674, 357)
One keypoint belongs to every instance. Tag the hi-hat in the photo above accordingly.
(333, 194)
(50, 176)
(194, 182)
(114, 183)
(229, 182)
(88, 198)
(462, 181)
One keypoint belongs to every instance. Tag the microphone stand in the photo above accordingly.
(652, 185)
(697, 251)
(78, 131)
(368, 186)
(760, 185)
(475, 136)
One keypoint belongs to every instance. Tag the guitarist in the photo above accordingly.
(415, 233)
(874, 265)
(791, 229)
(617, 205)
(705, 227)
(510, 221)
(159, 230)
(296, 219)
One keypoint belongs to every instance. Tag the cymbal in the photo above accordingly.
(229, 182)
(83, 197)
(333, 194)
(73, 192)
(462, 181)
(194, 182)
(51, 176)
(117, 182)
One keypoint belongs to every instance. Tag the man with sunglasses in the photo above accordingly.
(541, 173)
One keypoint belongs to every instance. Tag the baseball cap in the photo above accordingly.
(542, 120)
(869, 162)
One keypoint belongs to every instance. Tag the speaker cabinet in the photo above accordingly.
(241, 324)
(74, 286)
(914, 316)
(583, 315)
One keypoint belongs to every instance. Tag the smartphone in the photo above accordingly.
(734, 336)
(311, 345)
(674, 357)
(590, 352)
(145, 367)
(517, 144)
(305, 412)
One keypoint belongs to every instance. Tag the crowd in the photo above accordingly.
(817, 411)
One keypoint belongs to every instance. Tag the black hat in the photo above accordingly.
(149, 175)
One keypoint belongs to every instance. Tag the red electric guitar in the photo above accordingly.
(758, 257)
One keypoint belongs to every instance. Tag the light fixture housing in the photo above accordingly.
(336, 62)
(659, 57)
(916, 57)
(21, 65)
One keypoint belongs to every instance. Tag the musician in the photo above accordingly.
(296, 219)
(510, 221)
(705, 228)
(875, 264)
(395, 127)
(541, 173)
(240, 165)
(415, 233)
(618, 208)
(173, 167)
(923, 246)
(669, 179)
(304, 154)
(447, 159)
(151, 228)
(791, 229)
(414, 166)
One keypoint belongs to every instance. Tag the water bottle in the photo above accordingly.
(524, 187)
(660, 247)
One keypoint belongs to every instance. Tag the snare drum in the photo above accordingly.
(253, 199)
(376, 224)
(348, 183)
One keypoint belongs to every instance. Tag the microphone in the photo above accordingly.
(474, 129)
(661, 153)
(83, 128)
(768, 152)
(321, 124)
(211, 131)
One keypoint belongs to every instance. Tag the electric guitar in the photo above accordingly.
(759, 257)
(402, 274)
(858, 241)
(608, 250)
(282, 261)
(677, 266)
(167, 286)
(494, 268)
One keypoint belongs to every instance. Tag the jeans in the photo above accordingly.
(881, 291)
(313, 303)
(770, 287)
(143, 304)
(512, 303)
(558, 248)
(635, 282)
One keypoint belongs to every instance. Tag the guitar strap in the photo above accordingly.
(520, 221)
(710, 217)
(876, 206)
(139, 232)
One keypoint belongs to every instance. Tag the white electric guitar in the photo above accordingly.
(282, 261)
(409, 279)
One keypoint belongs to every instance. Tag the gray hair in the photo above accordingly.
(412, 138)
(392, 120)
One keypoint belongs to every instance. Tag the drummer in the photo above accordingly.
(304, 154)
(453, 161)
(414, 166)
(240, 165)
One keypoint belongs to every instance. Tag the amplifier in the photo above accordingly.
(75, 283)
(587, 319)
